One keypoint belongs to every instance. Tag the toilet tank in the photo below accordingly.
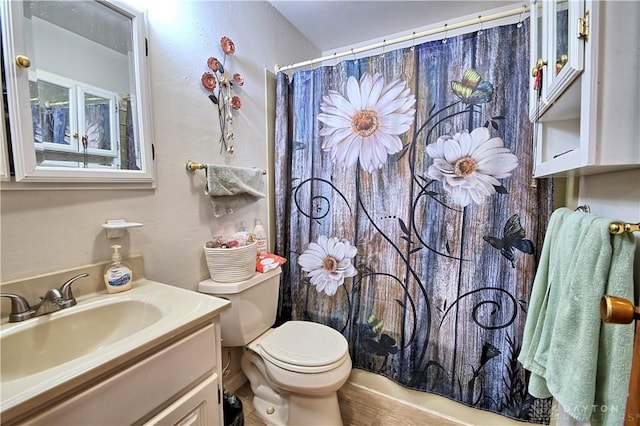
(254, 303)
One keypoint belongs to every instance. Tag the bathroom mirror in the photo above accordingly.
(78, 96)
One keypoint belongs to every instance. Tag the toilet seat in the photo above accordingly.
(304, 347)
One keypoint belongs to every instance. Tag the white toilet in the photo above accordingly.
(295, 369)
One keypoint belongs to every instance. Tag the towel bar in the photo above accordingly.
(192, 165)
(619, 228)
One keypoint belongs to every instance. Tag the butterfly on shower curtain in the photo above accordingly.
(472, 90)
(512, 238)
(385, 345)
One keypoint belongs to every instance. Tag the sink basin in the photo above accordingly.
(43, 357)
(69, 334)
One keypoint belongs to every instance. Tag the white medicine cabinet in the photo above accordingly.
(78, 95)
(584, 91)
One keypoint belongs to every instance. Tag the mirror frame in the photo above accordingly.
(27, 171)
(5, 175)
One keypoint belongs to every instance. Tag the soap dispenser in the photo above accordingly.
(117, 275)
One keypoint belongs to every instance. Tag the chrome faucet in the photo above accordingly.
(20, 309)
(52, 296)
(67, 295)
(62, 298)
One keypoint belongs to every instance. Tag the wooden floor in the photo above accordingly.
(360, 407)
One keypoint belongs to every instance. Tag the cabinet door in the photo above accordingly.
(557, 50)
(199, 407)
(565, 54)
(39, 37)
(537, 54)
(588, 120)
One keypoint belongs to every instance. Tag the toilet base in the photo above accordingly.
(281, 407)
(271, 413)
(306, 410)
(313, 410)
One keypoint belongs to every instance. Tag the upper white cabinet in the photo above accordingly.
(585, 96)
(78, 94)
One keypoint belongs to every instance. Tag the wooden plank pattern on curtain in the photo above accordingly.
(437, 295)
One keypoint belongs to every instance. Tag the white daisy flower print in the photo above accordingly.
(364, 123)
(470, 164)
(328, 263)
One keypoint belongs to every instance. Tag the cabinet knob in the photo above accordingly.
(541, 63)
(22, 61)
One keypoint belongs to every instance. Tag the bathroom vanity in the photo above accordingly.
(150, 355)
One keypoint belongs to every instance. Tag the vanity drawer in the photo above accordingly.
(131, 395)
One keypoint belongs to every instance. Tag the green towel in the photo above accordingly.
(230, 188)
(226, 181)
(573, 356)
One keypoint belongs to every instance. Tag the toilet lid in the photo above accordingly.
(304, 346)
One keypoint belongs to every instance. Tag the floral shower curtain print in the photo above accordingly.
(409, 215)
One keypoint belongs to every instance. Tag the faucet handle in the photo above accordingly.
(67, 295)
(20, 309)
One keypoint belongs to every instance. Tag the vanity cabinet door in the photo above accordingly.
(199, 407)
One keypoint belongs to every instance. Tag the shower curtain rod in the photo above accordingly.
(413, 36)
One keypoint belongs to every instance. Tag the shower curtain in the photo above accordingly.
(408, 213)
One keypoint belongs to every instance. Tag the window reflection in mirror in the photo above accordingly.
(80, 85)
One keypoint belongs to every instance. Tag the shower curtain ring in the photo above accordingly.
(413, 41)
(444, 40)
(383, 43)
(355, 60)
(519, 24)
(480, 31)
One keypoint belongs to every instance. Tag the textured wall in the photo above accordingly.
(44, 231)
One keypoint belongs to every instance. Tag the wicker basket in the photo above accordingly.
(228, 265)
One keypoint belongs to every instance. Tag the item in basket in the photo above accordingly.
(268, 262)
(213, 243)
(229, 244)
(222, 243)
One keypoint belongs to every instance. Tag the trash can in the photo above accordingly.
(232, 409)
